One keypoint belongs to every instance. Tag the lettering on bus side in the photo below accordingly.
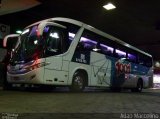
(81, 57)
(122, 67)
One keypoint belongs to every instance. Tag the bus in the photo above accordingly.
(67, 52)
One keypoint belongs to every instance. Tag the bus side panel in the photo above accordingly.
(121, 73)
(74, 66)
(150, 73)
(53, 71)
(55, 77)
(101, 70)
(145, 73)
(80, 60)
(126, 74)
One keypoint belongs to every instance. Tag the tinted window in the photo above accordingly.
(108, 50)
(94, 42)
(132, 58)
(71, 30)
(145, 60)
(11, 43)
(56, 40)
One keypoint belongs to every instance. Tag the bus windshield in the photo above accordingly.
(30, 46)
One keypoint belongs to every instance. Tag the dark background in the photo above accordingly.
(136, 22)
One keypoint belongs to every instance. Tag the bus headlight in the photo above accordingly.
(35, 66)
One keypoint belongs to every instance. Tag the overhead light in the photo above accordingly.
(18, 31)
(109, 6)
(54, 35)
(157, 64)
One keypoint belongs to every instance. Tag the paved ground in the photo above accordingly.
(89, 102)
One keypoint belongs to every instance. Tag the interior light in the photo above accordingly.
(157, 64)
(36, 42)
(109, 6)
(95, 49)
(71, 35)
(54, 35)
(156, 78)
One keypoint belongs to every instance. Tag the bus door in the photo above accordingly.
(53, 37)
(52, 69)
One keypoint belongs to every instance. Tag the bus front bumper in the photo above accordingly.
(31, 77)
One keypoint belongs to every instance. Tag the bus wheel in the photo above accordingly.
(139, 86)
(78, 82)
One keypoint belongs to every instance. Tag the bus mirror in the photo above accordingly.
(42, 26)
(9, 37)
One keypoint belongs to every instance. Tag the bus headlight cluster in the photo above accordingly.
(35, 66)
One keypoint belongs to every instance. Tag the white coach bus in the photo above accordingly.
(66, 52)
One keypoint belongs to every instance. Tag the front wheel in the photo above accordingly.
(78, 82)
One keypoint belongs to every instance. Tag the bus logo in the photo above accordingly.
(82, 59)
(122, 67)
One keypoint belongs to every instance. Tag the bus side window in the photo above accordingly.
(131, 58)
(116, 55)
(141, 60)
(97, 48)
(54, 40)
(80, 46)
(86, 44)
(107, 50)
(146, 61)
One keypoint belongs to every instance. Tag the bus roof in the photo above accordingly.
(88, 27)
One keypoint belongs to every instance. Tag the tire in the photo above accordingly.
(139, 86)
(78, 82)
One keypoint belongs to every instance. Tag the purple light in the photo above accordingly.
(83, 39)
(120, 52)
(88, 40)
(130, 56)
(46, 29)
(107, 47)
(33, 31)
